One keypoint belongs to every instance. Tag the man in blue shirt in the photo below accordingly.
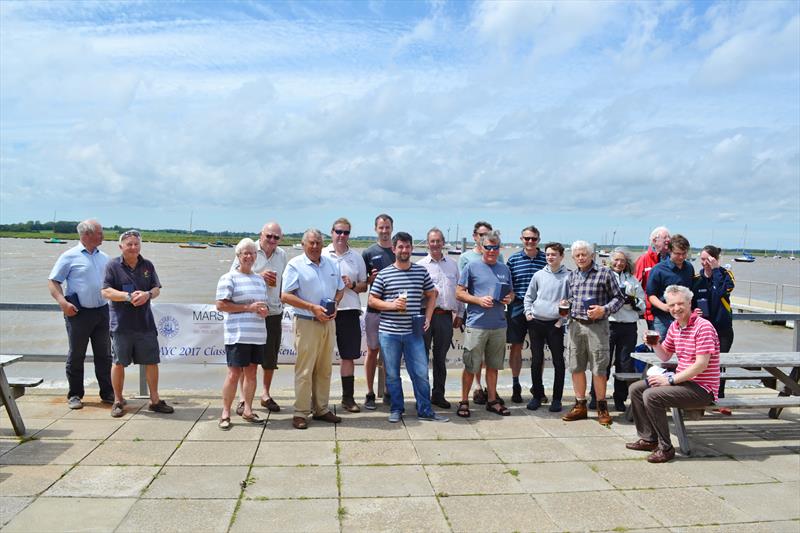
(85, 311)
(673, 271)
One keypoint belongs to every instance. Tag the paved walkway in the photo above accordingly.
(85, 471)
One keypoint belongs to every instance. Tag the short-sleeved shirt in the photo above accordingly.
(388, 285)
(598, 284)
(698, 337)
(376, 250)
(310, 281)
(84, 272)
(522, 268)
(471, 255)
(351, 265)
(444, 274)
(663, 275)
(125, 317)
(240, 288)
(480, 279)
(277, 262)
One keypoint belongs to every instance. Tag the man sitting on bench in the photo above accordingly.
(694, 384)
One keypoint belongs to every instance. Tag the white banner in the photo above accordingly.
(193, 333)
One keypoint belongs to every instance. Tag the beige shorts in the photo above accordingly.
(588, 347)
(484, 346)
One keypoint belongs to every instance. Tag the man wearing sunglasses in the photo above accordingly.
(270, 263)
(85, 310)
(523, 265)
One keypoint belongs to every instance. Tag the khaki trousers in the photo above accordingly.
(313, 342)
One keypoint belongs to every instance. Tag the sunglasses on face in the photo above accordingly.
(530, 239)
(491, 247)
(342, 231)
(272, 237)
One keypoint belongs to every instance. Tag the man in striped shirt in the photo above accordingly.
(397, 293)
(695, 383)
(523, 265)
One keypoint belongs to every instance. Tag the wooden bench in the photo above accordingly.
(19, 385)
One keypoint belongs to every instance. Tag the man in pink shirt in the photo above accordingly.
(694, 384)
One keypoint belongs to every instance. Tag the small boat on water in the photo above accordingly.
(603, 253)
(297, 246)
(419, 253)
(454, 251)
(198, 245)
(55, 240)
(746, 257)
(220, 244)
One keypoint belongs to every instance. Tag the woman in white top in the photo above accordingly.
(242, 297)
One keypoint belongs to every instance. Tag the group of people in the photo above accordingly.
(412, 311)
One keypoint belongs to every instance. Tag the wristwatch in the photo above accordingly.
(128, 297)
(671, 380)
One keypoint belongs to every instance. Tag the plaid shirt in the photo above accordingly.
(598, 283)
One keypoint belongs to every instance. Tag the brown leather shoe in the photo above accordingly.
(328, 417)
(642, 445)
(661, 456)
(299, 422)
(350, 405)
(578, 412)
(602, 413)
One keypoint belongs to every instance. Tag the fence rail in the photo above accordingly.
(772, 294)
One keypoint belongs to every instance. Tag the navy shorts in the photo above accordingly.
(243, 355)
(135, 347)
(516, 327)
(273, 346)
(348, 334)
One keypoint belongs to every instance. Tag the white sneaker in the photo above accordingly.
(395, 416)
(74, 403)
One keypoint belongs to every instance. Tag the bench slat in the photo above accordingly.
(757, 403)
(25, 382)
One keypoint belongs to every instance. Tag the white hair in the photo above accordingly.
(312, 231)
(244, 244)
(87, 226)
(680, 290)
(656, 231)
(582, 245)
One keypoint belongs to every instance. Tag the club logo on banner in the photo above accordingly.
(193, 333)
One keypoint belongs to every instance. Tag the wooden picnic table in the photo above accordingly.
(9, 396)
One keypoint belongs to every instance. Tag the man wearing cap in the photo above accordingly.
(85, 310)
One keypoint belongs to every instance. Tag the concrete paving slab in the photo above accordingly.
(208, 430)
(742, 444)
(73, 429)
(7, 445)
(32, 427)
(103, 481)
(770, 501)
(395, 452)
(371, 427)
(174, 516)
(456, 429)
(718, 471)
(43, 452)
(217, 482)
(512, 512)
(131, 453)
(280, 428)
(394, 514)
(71, 514)
(697, 506)
(384, 481)
(214, 453)
(788, 526)
(319, 516)
(584, 511)
(521, 427)
(432, 452)
(38, 407)
(186, 410)
(600, 448)
(291, 453)
(531, 450)
(10, 506)
(28, 480)
(558, 477)
(139, 429)
(641, 474)
(292, 482)
(102, 411)
(473, 479)
(784, 467)
(580, 428)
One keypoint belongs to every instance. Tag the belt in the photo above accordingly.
(585, 321)
(306, 317)
(440, 311)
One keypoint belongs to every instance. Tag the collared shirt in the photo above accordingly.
(351, 265)
(84, 272)
(663, 275)
(598, 284)
(125, 317)
(522, 268)
(240, 288)
(444, 275)
(698, 337)
(276, 262)
(310, 281)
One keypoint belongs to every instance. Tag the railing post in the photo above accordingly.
(143, 390)
(776, 297)
(796, 336)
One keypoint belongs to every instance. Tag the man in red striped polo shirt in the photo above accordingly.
(695, 383)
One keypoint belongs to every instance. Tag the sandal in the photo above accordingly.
(497, 408)
(240, 408)
(253, 419)
(463, 409)
(224, 423)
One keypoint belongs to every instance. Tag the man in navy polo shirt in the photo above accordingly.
(130, 283)
(673, 271)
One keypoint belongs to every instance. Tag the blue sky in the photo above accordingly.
(583, 118)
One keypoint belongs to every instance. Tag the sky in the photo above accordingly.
(591, 120)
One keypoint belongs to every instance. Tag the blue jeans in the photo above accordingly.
(661, 325)
(395, 346)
